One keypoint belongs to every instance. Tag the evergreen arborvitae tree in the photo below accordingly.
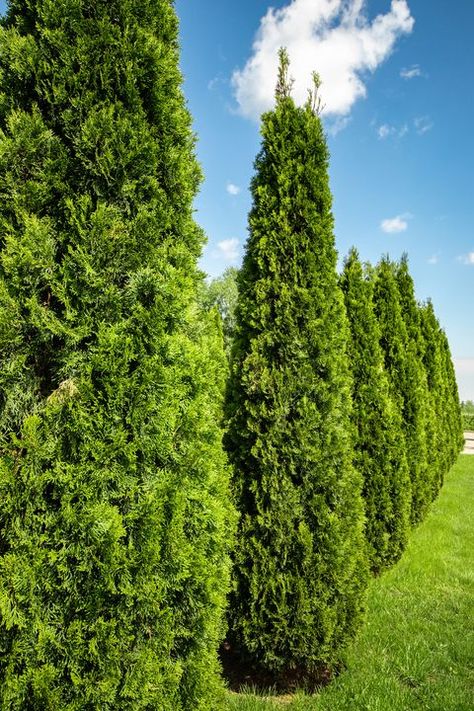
(300, 560)
(380, 442)
(404, 376)
(443, 386)
(433, 364)
(455, 442)
(113, 508)
(426, 415)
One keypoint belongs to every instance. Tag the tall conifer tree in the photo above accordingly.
(433, 363)
(404, 378)
(426, 413)
(113, 508)
(380, 442)
(443, 388)
(455, 442)
(300, 567)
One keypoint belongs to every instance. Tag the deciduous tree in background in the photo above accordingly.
(114, 515)
(300, 561)
(222, 293)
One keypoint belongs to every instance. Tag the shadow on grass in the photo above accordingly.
(241, 674)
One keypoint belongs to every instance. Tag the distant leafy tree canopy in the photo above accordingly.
(221, 292)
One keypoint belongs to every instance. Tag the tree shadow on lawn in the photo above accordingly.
(243, 676)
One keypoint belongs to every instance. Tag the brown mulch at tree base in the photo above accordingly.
(239, 673)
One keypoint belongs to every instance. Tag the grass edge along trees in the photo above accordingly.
(415, 652)
(300, 566)
(114, 508)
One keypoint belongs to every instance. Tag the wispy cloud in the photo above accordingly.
(467, 259)
(434, 259)
(394, 225)
(423, 124)
(386, 130)
(233, 189)
(333, 37)
(411, 72)
(214, 83)
(229, 248)
(340, 123)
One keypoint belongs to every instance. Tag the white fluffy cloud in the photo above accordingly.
(393, 225)
(333, 37)
(232, 189)
(230, 249)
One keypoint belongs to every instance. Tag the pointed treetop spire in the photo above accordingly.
(315, 101)
(285, 82)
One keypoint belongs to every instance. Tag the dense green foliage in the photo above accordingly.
(406, 378)
(447, 440)
(113, 484)
(115, 514)
(300, 560)
(421, 405)
(421, 372)
(455, 438)
(380, 443)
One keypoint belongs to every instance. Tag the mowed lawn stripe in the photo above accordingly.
(416, 650)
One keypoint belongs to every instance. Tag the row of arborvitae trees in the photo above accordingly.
(342, 412)
(406, 413)
(116, 520)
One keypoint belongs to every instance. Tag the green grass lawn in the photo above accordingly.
(416, 650)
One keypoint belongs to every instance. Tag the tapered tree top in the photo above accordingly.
(285, 82)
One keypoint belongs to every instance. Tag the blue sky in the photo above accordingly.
(402, 155)
(399, 115)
